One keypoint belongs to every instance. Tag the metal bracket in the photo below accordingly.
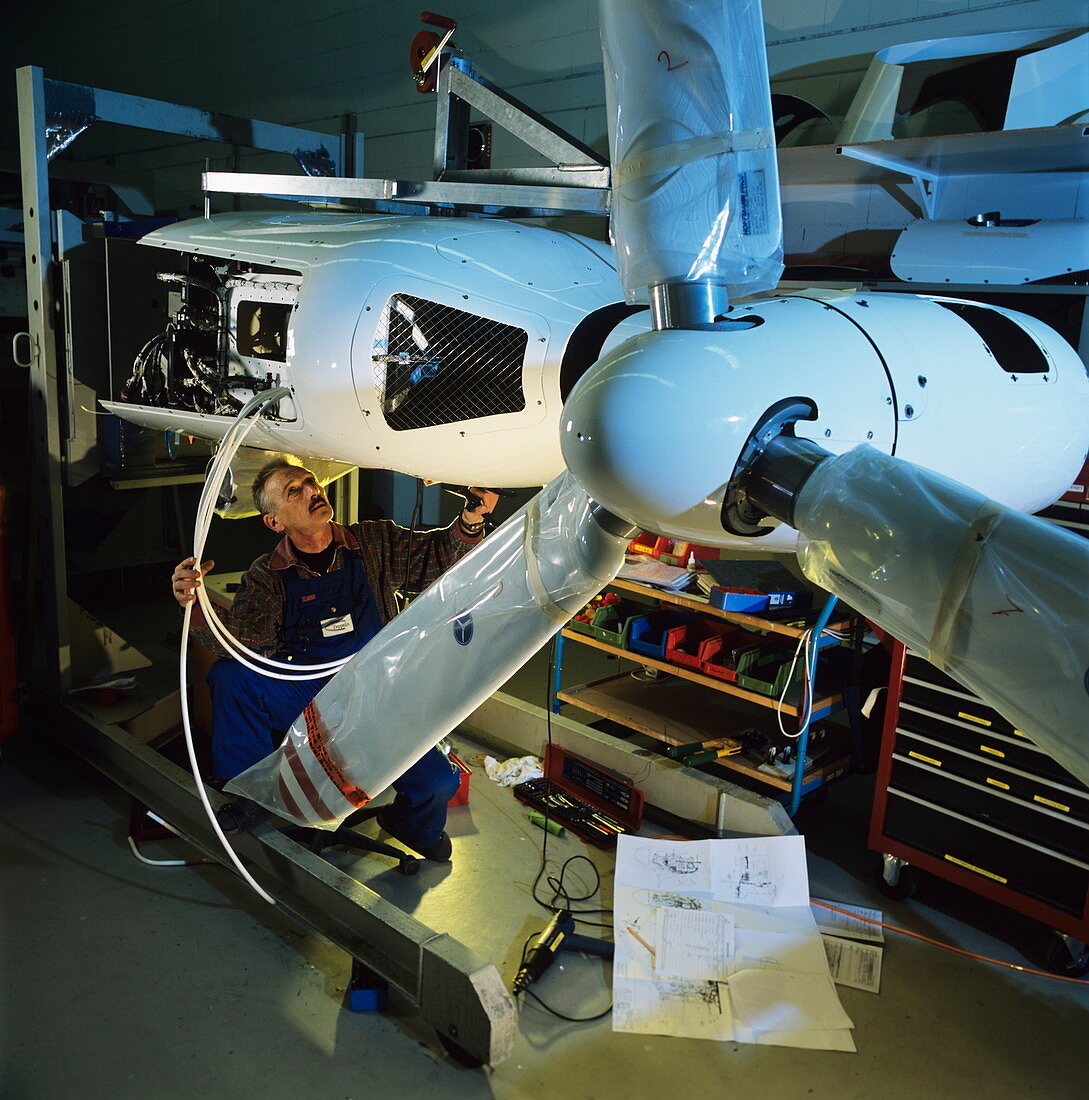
(461, 87)
(71, 108)
(490, 198)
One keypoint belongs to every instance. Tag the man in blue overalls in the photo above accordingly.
(322, 594)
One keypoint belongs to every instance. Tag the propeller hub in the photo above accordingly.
(655, 429)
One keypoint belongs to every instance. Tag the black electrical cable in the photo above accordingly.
(572, 1019)
(557, 883)
(416, 508)
(548, 1008)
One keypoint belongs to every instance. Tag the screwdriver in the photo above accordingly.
(712, 754)
(677, 751)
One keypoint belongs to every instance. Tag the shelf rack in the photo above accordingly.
(677, 713)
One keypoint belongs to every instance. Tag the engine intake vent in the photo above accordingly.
(438, 365)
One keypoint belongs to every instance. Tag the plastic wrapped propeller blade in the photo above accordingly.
(435, 663)
(996, 599)
(695, 181)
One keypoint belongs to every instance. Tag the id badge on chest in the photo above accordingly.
(333, 628)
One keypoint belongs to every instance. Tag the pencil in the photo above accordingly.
(641, 940)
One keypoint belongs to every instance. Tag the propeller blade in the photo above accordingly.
(438, 660)
(695, 183)
(996, 599)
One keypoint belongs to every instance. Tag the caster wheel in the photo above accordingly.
(900, 890)
(459, 1054)
(1065, 955)
(409, 866)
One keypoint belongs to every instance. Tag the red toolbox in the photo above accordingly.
(593, 803)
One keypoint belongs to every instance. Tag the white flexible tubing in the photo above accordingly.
(232, 441)
(228, 448)
(805, 641)
(228, 641)
(195, 767)
(200, 535)
(786, 688)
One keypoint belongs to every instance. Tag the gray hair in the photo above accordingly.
(260, 483)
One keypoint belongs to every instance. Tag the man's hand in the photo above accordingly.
(186, 579)
(479, 505)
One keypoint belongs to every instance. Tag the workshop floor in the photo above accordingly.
(122, 980)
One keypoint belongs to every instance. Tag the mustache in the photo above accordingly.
(317, 502)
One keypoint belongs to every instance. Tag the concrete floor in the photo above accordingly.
(122, 980)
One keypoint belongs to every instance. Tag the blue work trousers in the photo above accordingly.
(250, 713)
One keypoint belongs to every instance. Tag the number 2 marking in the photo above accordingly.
(669, 67)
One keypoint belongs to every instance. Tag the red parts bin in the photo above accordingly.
(695, 643)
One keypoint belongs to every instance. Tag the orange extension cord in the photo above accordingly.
(949, 946)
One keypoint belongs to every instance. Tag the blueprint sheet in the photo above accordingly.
(715, 939)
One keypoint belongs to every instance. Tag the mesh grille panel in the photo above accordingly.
(438, 365)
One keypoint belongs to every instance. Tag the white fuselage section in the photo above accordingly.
(501, 302)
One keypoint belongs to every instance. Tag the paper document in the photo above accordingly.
(715, 939)
(855, 964)
(694, 945)
(656, 574)
(841, 924)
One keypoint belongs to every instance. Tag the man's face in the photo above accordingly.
(299, 502)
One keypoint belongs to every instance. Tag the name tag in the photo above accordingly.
(330, 628)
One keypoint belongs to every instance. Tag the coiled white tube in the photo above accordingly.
(232, 440)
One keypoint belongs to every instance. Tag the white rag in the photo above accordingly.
(516, 770)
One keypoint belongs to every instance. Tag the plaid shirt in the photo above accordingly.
(389, 554)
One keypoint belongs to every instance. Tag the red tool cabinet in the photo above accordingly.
(964, 795)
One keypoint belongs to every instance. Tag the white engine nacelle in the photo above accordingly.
(991, 398)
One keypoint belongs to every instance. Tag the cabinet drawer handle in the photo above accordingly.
(925, 759)
(973, 718)
(1048, 802)
(973, 867)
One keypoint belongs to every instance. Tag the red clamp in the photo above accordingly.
(423, 55)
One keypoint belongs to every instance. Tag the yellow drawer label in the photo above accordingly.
(1048, 802)
(919, 756)
(998, 783)
(973, 718)
(1018, 733)
(993, 752)
(978, 870)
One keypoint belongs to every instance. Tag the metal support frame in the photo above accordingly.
(576, 183)
(461, 87)
(71, 108)
(492, 198)
(46, 493)
(459, 995)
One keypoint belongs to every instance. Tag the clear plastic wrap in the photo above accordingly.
(435, 663)
(695, 182)
(997, 599)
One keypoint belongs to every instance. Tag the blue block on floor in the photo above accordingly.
(368, 1000)
(367, 992)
